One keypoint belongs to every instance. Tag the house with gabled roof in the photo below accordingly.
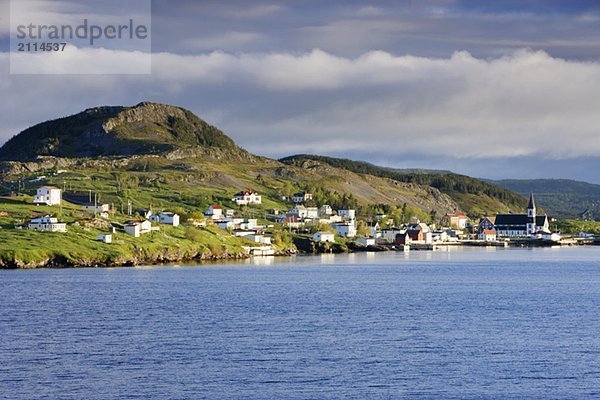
(214, 212)
(246, 197)
(487, 223)
(136, 228)
(47, 224)
(458, 219)
(487, 235)
(48, 195)
(166, 218)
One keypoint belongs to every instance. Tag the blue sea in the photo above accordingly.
(461, 324)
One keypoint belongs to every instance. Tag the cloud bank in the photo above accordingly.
(528, 103)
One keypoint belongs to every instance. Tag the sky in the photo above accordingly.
(492, 89)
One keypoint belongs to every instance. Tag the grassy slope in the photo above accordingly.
(79, 245)
(572, 226)
(194, 183)
(475, 197)
(187, 187)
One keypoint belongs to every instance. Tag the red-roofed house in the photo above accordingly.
(247, 197)
(214, 212)
(487, 235)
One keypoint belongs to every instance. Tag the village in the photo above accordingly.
(318, 223)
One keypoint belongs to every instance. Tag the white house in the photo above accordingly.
(138, 228)
(452, 235)
(247, 197)
(324, 237)
(104, 238)
(366, 241)
(312, 212)
(214, 212)
(302, 197)
(376, 231)
(334, 218)
(243, 232)
(298, 211)
(292, 221)
(325, 210)
(347, 214)
(99, 208)
(439, 236)
(248, 223)
(226, 224)
(551, 236)
(238, 223)
(458, 219)
(167, 218)
(345, 229)
(488, 235)
(262, 239)
(49, 195)
(47, 224)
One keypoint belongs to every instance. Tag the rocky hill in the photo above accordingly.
(147, 128)
(159, 155)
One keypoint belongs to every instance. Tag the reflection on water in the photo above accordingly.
(260, 261)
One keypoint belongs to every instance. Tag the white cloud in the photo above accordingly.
(524, 104)
(528, 104)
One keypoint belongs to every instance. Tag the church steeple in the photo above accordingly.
(531, 214)
(531, 205)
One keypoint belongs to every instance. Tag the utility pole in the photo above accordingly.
(95, 205)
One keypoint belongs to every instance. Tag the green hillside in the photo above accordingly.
(474, 196)
(560, 197)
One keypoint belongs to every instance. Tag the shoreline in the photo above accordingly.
(59, 262)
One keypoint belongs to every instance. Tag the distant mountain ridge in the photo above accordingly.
(146, 128)
(560, 197)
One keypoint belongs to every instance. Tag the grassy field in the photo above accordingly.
(79, 246)
(574, 226)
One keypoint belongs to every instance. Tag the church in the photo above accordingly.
(522, 224)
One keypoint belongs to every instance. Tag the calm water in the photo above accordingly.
(461, 324)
